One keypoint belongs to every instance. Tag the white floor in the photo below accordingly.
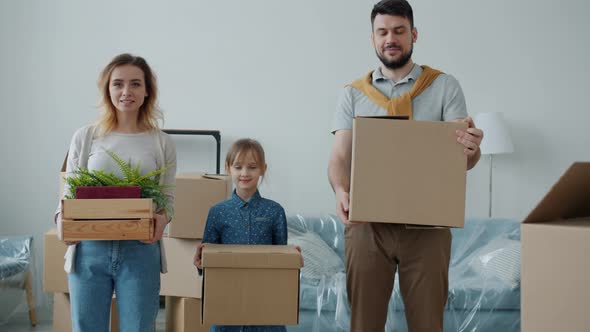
(20, 323)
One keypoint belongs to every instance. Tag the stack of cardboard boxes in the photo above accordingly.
(182, 285)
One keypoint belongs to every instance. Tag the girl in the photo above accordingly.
(246, 217)
(128, 127)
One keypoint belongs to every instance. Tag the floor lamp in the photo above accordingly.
(496, 140)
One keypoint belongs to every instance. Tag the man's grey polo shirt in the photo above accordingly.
(443, 100)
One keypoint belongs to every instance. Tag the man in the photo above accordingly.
(374, 251)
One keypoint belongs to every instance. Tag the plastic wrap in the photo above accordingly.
(17, 271)
(15, 258)
(484, 277)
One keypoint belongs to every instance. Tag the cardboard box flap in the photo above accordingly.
(568, 198)
(202, 175)
(191, 175)
(215, 176)
(251, 256)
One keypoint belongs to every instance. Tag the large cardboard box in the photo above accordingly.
(184, 315)
(250, 285)
(555, 266)
(55, 279)
(182, 279)
(195, 194)
(407, 172)
(62, 315)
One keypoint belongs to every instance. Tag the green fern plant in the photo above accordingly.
(149, 183)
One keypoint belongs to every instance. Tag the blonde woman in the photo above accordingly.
(128, 126)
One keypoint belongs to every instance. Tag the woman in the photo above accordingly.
(128, 126)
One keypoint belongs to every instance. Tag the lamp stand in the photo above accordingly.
(490, 194)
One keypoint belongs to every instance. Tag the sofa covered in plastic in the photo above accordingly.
(484, 277)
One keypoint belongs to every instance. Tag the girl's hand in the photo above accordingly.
(299, 249)
(197, 259)
(160, 222)
(59, 230)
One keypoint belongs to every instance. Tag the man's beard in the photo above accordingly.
(396, 64)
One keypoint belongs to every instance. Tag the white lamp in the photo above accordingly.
(496, 140)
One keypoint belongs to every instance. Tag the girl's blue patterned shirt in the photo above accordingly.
(257, 221)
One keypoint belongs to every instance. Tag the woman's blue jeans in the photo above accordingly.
(131, 269)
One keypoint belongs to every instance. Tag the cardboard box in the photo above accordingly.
(62, 315)
(555, 267)
(195, 194)
(250, 285)
(55, 279)
(407, 172)
(184, 315)
(107, 219)
(182, 279)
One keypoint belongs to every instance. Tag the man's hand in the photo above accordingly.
(470, 139)
(160, 222)
(342, 201)
(197, 259)
(339, 172)
(342, 205)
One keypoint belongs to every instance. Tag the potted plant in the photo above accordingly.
(85, 184)
(102, 206)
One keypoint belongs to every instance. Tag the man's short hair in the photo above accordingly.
(395, 8)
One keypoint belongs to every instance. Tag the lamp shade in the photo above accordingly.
(496, 138)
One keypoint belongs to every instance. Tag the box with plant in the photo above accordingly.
(103, 206)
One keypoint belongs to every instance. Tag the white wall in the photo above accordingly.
(272, 70)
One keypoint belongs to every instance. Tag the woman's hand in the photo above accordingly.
(160, 222)
(59, 223)
(197, 259)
